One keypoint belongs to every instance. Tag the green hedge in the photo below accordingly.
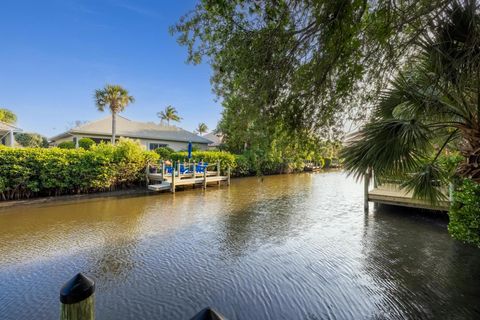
(28, 172)
(464, 213)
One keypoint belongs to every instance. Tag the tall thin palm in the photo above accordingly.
(433, 105)
(115, 98)
(169, 114)
(202, 128)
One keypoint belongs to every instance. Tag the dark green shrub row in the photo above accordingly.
(464, 213)
(28, 172)
(246, 164)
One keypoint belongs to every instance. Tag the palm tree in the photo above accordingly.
(202, 128)
(116, 99)
(170, 113)
(430, 107)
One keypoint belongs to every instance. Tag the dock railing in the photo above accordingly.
(389, 191)
(175, 173)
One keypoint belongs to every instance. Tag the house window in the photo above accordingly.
(153, 146)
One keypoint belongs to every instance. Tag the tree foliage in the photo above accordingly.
(31, 140)
(433, 105)
(169, 114)
(308, 65)
(7, 116)
(202, 128)
(116, 99)
(464, 214)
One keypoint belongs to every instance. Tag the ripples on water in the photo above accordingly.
(282, 247)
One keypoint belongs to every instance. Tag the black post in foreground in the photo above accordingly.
(208, 314)
(77, 299)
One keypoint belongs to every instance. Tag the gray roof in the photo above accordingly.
(215, 138)
(134, 129)
(8, 127)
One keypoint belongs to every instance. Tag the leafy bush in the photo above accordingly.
(66, 145)
(86, 143)
(165, 153)
(31, 140)
(465, 213)
(43, 172)
(327, 162)
(243, 166)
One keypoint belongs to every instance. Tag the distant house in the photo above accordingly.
(6, 134)
(215, 138)
(151, 135)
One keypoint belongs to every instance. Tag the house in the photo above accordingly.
(216, 140)
(6, 134)
(150, 135)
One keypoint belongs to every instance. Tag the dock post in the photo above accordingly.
(172, 185)
(218, 171)
(205, 178)
(367, 176)
(77, 299)
(178, 168)
(163, 169)
(147, 171)
(228, 176)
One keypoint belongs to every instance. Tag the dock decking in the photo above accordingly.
(392, 194)
(164, 181)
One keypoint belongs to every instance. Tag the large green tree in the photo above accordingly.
(431, 106)
(116, 99)
(7, 116)
(301, 66)
(169, 114)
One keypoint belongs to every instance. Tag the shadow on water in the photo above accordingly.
(282, 247)
(418, 269)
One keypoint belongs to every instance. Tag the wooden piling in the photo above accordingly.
(205, 178)
(218, 171)
(172, 185)
(147, 171)
(77, 299)
(228, 176)
(366, 184)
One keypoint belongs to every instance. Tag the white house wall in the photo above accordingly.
(175, 145)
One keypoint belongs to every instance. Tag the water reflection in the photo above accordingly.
(417, 269)
(282, 247)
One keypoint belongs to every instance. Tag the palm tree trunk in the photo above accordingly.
(114, 126)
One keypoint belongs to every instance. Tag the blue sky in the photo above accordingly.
(55, 53)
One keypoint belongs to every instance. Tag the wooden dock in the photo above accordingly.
(392, 194)
(163, 181)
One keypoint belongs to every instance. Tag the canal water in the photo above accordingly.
(281, 247)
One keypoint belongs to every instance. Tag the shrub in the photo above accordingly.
(31, 140)
(66, 145)
(464, 213)
(327, 162)
(86, 143)
(165, 153)
(42, 172)
(242, 167)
